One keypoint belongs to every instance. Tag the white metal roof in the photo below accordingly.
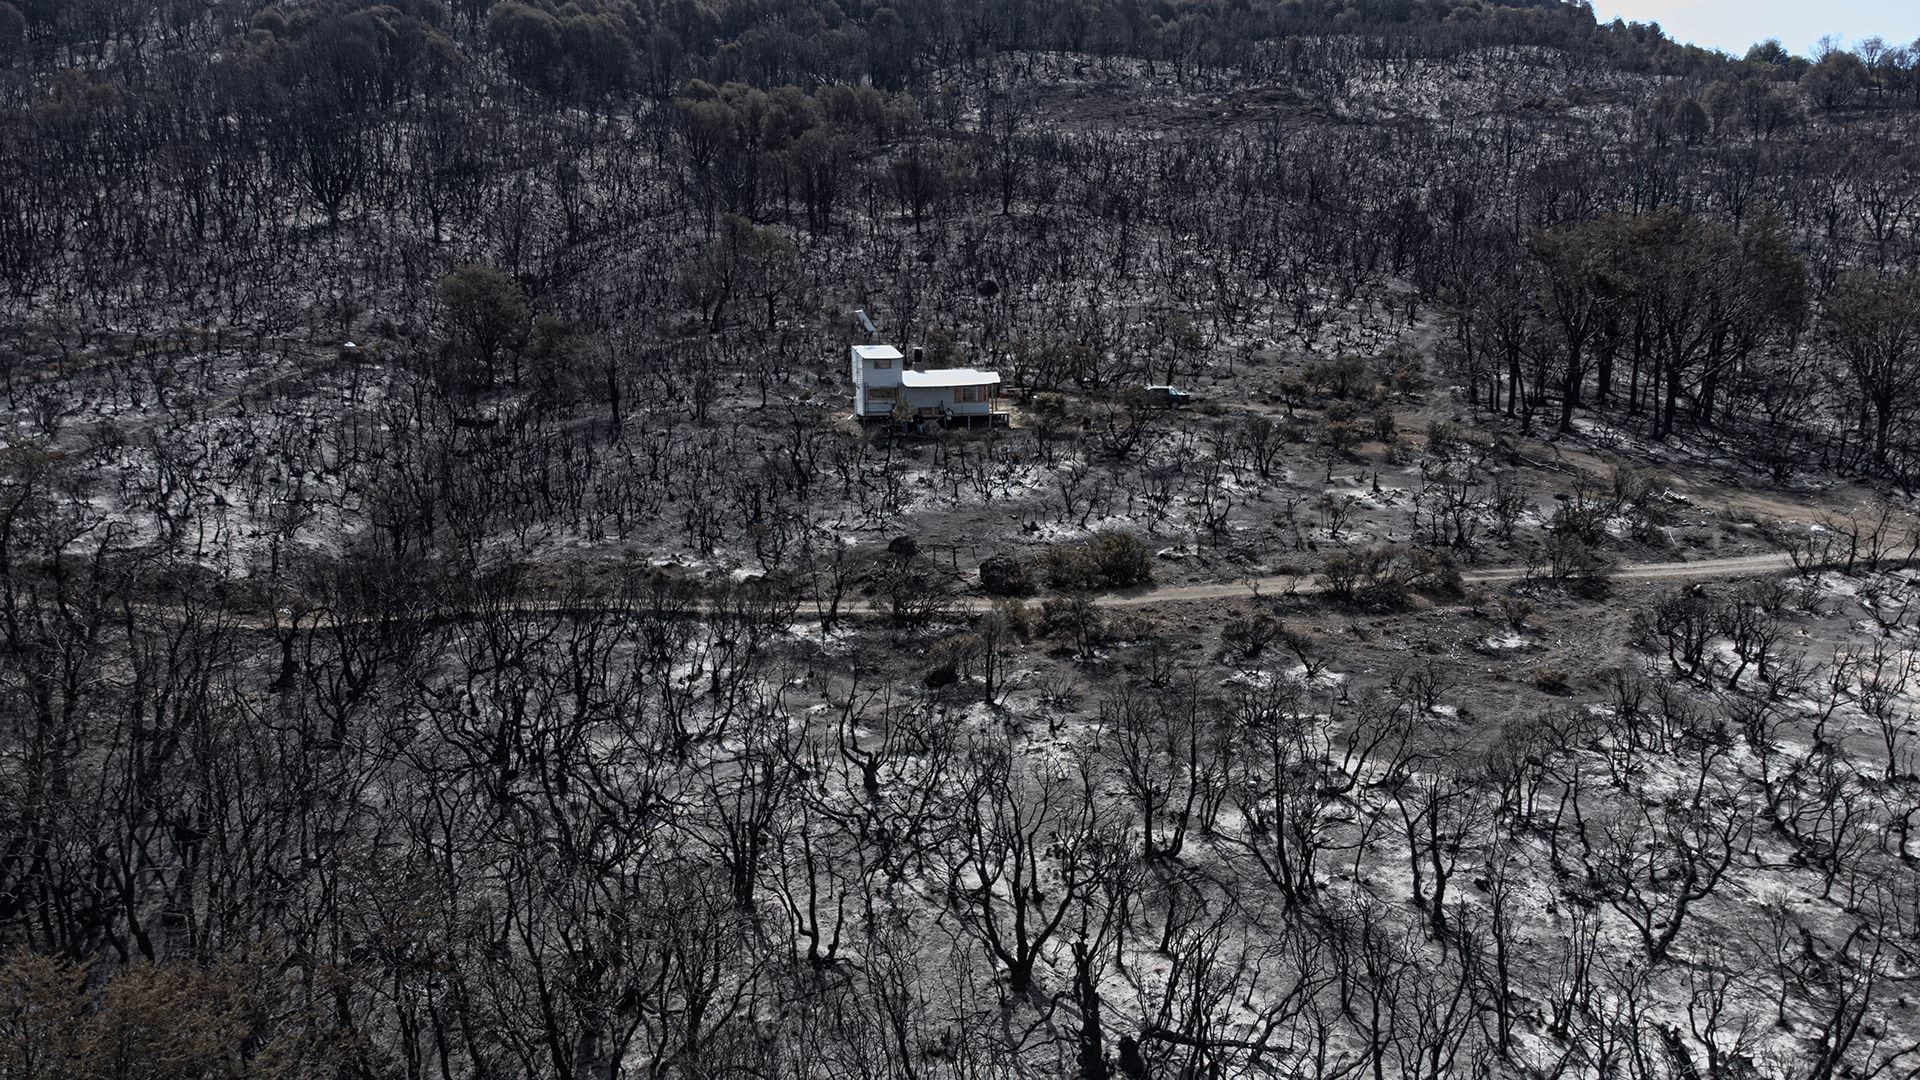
(876, 352)
(964, 376)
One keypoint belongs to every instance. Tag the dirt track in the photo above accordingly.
(1278, 585)
(1736, 566)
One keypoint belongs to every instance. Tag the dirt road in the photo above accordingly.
(1305, 585)
(1278, 585)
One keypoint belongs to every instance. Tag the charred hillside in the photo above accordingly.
(697, 538)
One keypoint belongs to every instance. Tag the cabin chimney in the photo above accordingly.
(919, 357)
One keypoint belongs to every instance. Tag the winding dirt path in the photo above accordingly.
(1733, 566)
(1736, 566)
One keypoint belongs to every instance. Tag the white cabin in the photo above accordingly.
(883, 379)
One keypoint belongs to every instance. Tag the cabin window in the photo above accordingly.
(969, 394)
(882, 365)
(882, 393)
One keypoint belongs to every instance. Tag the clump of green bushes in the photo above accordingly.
(1387, 578)
(1110, 559)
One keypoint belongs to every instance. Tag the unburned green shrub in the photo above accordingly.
(1075, 619)
(1111, 559)
(1388, 577)
(1005, 575)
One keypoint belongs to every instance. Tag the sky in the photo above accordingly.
(1732, 25)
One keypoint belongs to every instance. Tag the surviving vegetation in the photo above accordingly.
(451, 625)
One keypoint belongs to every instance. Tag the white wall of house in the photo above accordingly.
(876, 378)
(957, 400)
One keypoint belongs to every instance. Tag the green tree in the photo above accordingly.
(1769, 51)
(486, 319)
(1580, 285)
(159, 1022)
(1873, 321)
(578, 50)
(756, 261)
(1835, 81)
